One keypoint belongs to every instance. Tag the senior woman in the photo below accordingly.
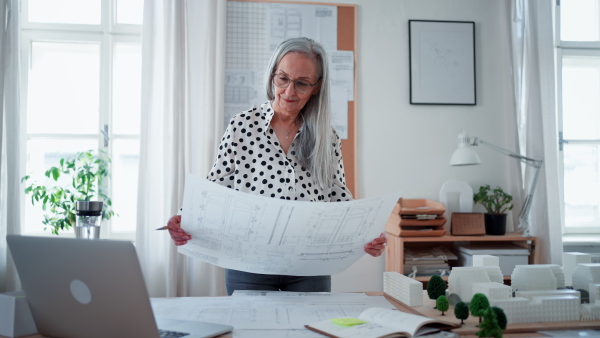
(287, 149)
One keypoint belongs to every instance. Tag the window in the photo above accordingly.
(578, 36)
(81, 87)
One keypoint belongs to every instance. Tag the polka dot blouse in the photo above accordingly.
(251, 160)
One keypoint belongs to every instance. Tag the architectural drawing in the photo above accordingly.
(258, 234)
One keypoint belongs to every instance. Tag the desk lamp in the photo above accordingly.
(465, 155)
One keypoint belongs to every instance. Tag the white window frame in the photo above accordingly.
(570, 48)
(106, 34)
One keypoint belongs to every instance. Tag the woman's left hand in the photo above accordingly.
(377, 246)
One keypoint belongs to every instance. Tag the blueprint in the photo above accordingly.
(246, 232)
(287, 312)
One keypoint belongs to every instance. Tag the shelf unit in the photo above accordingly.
(394, 254)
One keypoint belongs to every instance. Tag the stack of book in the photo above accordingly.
(428, 262)
(417, 217)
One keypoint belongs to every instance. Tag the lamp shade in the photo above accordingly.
(464, 155)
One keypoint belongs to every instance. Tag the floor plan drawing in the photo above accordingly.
(258, 234)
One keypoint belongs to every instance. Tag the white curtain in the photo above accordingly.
(183, 62)
(10, 140)
(533, 74)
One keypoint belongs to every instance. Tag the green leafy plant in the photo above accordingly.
(86, 172)
(436, 287)
(461, 311)
(494, 201)
(479, 303)
(442, 304)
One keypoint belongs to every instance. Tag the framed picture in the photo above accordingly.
(442, 62)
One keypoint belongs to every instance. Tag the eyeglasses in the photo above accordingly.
(300, 86)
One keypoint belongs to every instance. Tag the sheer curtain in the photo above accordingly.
(10, 141)
(183, 62)
(533, 74)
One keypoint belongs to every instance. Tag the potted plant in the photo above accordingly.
(496, 202)
(86, 172)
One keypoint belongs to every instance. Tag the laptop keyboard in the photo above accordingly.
(171, 334)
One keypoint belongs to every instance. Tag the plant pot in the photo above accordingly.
(495, 224)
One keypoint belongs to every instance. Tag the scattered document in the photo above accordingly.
(265, 313)
(257, 234)
(380, 322)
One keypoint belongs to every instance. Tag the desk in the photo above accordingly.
(469, 329)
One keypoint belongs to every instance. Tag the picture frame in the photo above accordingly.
(442, 62)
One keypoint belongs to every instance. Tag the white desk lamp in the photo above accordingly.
(465, 155)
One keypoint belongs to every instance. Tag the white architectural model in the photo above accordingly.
(536, 277)
(461, 279)
(402, 288)
(492, 265)
(594, 292)
(586, 274)
(590, 311)
(493, 290)
(547, 308)
(570, 261)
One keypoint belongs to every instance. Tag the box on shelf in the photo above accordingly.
(467, 223)
(508, 254)
(417, 217)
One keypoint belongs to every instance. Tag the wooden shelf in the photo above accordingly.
(394, 253)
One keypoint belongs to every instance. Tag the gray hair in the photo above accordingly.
(315, 144)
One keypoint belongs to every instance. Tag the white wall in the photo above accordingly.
(404, 147)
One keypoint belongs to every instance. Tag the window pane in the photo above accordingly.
(124, 182)
(65, 11)
(130, 11)
(582, 185)
(127, 76)
(579, 20)
(63, 92)
(581, 102)
(41, 155)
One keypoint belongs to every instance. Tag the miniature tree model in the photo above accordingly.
(442, 304)
(479, 303)
(489, 327)
(501, 317)
(436, 287)
(461, 311)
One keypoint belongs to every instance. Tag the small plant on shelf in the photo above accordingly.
(495, 201)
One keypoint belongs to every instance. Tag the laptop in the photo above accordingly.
(91, 288)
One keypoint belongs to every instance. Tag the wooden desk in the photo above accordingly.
(469, 329)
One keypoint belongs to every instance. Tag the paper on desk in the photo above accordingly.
(266, 313)
(257, 234)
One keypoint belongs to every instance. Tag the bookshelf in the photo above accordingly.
(394, 254)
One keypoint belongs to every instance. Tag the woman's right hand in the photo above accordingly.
(177, 234)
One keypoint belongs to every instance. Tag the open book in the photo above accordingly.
(380, 323)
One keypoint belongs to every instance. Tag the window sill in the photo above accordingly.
(581, 239)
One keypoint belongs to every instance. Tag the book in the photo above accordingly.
(380, 323)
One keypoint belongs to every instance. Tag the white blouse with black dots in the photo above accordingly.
(250, 159)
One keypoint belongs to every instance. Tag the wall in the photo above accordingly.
(404, 147)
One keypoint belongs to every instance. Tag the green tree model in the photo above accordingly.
(461, 311)
(489, 326)
(442, 304)
(436, 287)
(479, 303)
(501, 317)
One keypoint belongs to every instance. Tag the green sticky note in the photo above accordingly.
(347, 321)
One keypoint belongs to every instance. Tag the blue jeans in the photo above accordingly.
(239, 280)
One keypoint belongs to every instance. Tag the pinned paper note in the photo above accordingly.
(347, 321)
